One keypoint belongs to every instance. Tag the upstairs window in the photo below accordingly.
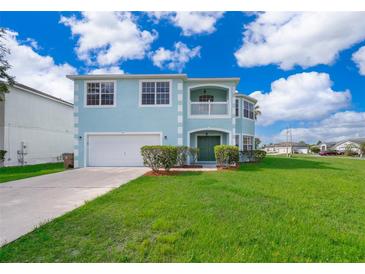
(248, 110)
(237, 107)
(206, 98)
(155, 93)
(100, 93)
(247, 143)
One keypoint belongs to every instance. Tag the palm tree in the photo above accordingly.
(257, 111)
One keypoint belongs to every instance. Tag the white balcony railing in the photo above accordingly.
(208, 108)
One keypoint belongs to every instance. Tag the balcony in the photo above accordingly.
(209, 108)
(209, 101)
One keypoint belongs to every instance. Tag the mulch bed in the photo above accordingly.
(189, 166)
(162, 173)
(228, 168)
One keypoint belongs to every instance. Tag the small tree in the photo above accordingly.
(5, 79)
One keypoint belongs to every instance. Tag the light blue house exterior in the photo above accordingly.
(117, 114)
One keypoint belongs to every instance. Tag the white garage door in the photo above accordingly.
(118, 150)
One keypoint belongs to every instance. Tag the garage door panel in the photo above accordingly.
(118, 150)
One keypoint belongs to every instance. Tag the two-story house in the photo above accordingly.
(117, 114)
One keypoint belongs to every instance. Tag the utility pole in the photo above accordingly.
(287, 142)
(291, 142)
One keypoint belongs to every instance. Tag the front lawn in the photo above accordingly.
(282, 210)
(20, 172)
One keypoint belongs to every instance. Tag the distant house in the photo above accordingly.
(341, 146)
(326, 146)
(286, 147)
(34, 127)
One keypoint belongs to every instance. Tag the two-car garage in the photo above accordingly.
(118, 149)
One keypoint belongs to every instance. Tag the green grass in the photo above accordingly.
(20, 172)
(282, 210)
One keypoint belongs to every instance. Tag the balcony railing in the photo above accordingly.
(208, 108)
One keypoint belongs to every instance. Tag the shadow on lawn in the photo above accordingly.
(287, 163)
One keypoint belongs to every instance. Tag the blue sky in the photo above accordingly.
(321, 66)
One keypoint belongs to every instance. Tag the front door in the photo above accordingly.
(206, 147)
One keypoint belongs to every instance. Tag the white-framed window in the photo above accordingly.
(248, 109)
(155, 93)
(237, 107)
(237, 140)
(247, 143)
(100, 94)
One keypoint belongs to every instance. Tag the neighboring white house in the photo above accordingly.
(343, 145)
(286, 147)
(326, 146)
(34, 127)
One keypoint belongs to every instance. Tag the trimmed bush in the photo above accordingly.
(182, 155)
(157, 157)
(226, 155)
(193, 152)
(259, 155)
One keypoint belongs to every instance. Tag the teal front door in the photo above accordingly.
(206, 147)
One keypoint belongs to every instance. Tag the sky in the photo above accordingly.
(306, 69)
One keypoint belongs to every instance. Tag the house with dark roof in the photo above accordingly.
(341, 146)
(35, 127)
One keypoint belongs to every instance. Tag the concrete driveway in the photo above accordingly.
(27, 203)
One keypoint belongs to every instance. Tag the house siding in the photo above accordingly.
(44, 125)
(128, 116)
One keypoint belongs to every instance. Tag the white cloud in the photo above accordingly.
(191, 22)
(339, 126)
(176, 59)
(359, 58)
(299, 38)
(107, 70)
(33, 43)
(109, 37)
(38, 71)
(300, 97)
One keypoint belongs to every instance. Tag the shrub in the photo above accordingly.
(2, 155)
(182, 155)
(157, 157)
(193, 152)
(315, 149)
(226, 155)
(259, 155)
